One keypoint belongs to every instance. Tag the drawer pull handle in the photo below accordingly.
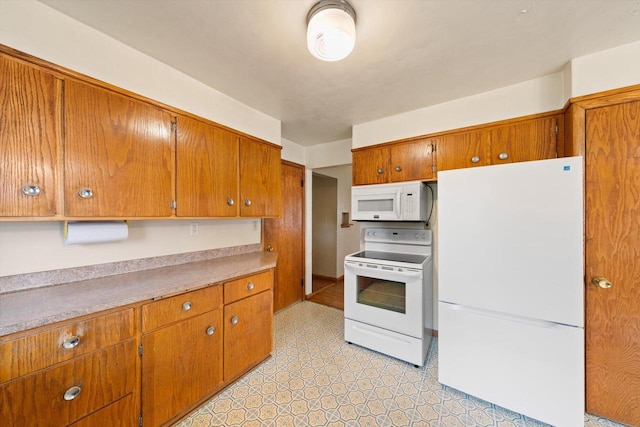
(234, 320)
(210, 330)
(250, 286)
(186, 306)
(71, 342)
(72, 393)
(31, 190)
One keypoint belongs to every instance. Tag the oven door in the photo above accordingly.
(384, 296)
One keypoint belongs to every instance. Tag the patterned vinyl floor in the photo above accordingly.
(315, 378)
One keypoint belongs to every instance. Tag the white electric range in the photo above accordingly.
(388, 293)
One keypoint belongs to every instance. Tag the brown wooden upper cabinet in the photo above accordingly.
(404, 161)
(30, 102)
(532, 139)
(260, 192)
(119, 155)
(207, 170)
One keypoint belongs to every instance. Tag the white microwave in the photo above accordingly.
(403, 201)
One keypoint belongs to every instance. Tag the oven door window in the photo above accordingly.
(383, 294)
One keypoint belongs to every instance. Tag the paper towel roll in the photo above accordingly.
(95, 232)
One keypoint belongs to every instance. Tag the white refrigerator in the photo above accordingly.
(510, 274)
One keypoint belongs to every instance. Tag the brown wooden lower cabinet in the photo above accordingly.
(156, 360)
(248, 333)
(60, 395)
(181, 364)
(121, 413)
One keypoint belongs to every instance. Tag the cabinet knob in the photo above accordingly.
(210, 330)
(380, 171)
(247, 202)
(475, 159)
(71, 342)
(250, 286)
(186, 306)
(31, 190)
(72, 393)
(503, 156)
(230, 201)
(234, 320)
(602, 282)
(85, 193)
(398, 168)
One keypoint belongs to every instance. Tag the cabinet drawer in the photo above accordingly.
(34, 352)
(179, 307)
(247, 286)
(41, 399)
(119, 414)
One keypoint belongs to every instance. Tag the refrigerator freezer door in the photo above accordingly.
(511, 238)
(534, 368)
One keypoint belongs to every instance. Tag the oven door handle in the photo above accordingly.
(372, 270)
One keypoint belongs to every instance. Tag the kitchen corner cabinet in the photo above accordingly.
(71, 373)
(119, 155)
(207, 170)
(181, 353)
(248, 323)
(404, 161)
(260, 192)
(520, 141)
(30, 102)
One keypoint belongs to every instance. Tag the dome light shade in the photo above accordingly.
(331, 30)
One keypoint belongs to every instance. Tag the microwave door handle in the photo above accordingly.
(398, 211)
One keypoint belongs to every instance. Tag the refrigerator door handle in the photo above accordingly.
(509, 317)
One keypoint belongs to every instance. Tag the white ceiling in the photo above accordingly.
(409, 54)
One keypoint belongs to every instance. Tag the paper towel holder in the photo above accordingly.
(87, 232)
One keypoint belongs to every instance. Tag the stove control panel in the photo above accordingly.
(398, 235)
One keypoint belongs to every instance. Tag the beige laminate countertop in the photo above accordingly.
(37, 307)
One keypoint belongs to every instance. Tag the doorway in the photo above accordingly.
(324, 227)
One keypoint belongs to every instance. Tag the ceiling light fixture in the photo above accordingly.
(331, 30)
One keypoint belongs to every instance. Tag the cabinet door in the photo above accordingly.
(29, 139)
(462, 150)
(181, 364)
(524, 141)
(260, 193)
(248, 330)
(411, 161)
(207, 170)
(120, 151)
(370, 166)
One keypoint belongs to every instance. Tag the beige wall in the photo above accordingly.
(324, 236)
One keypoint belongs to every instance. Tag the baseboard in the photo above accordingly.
(321, 277)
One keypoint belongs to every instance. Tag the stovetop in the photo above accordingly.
(390, 256)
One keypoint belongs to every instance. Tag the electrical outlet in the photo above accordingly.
(194, 228)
